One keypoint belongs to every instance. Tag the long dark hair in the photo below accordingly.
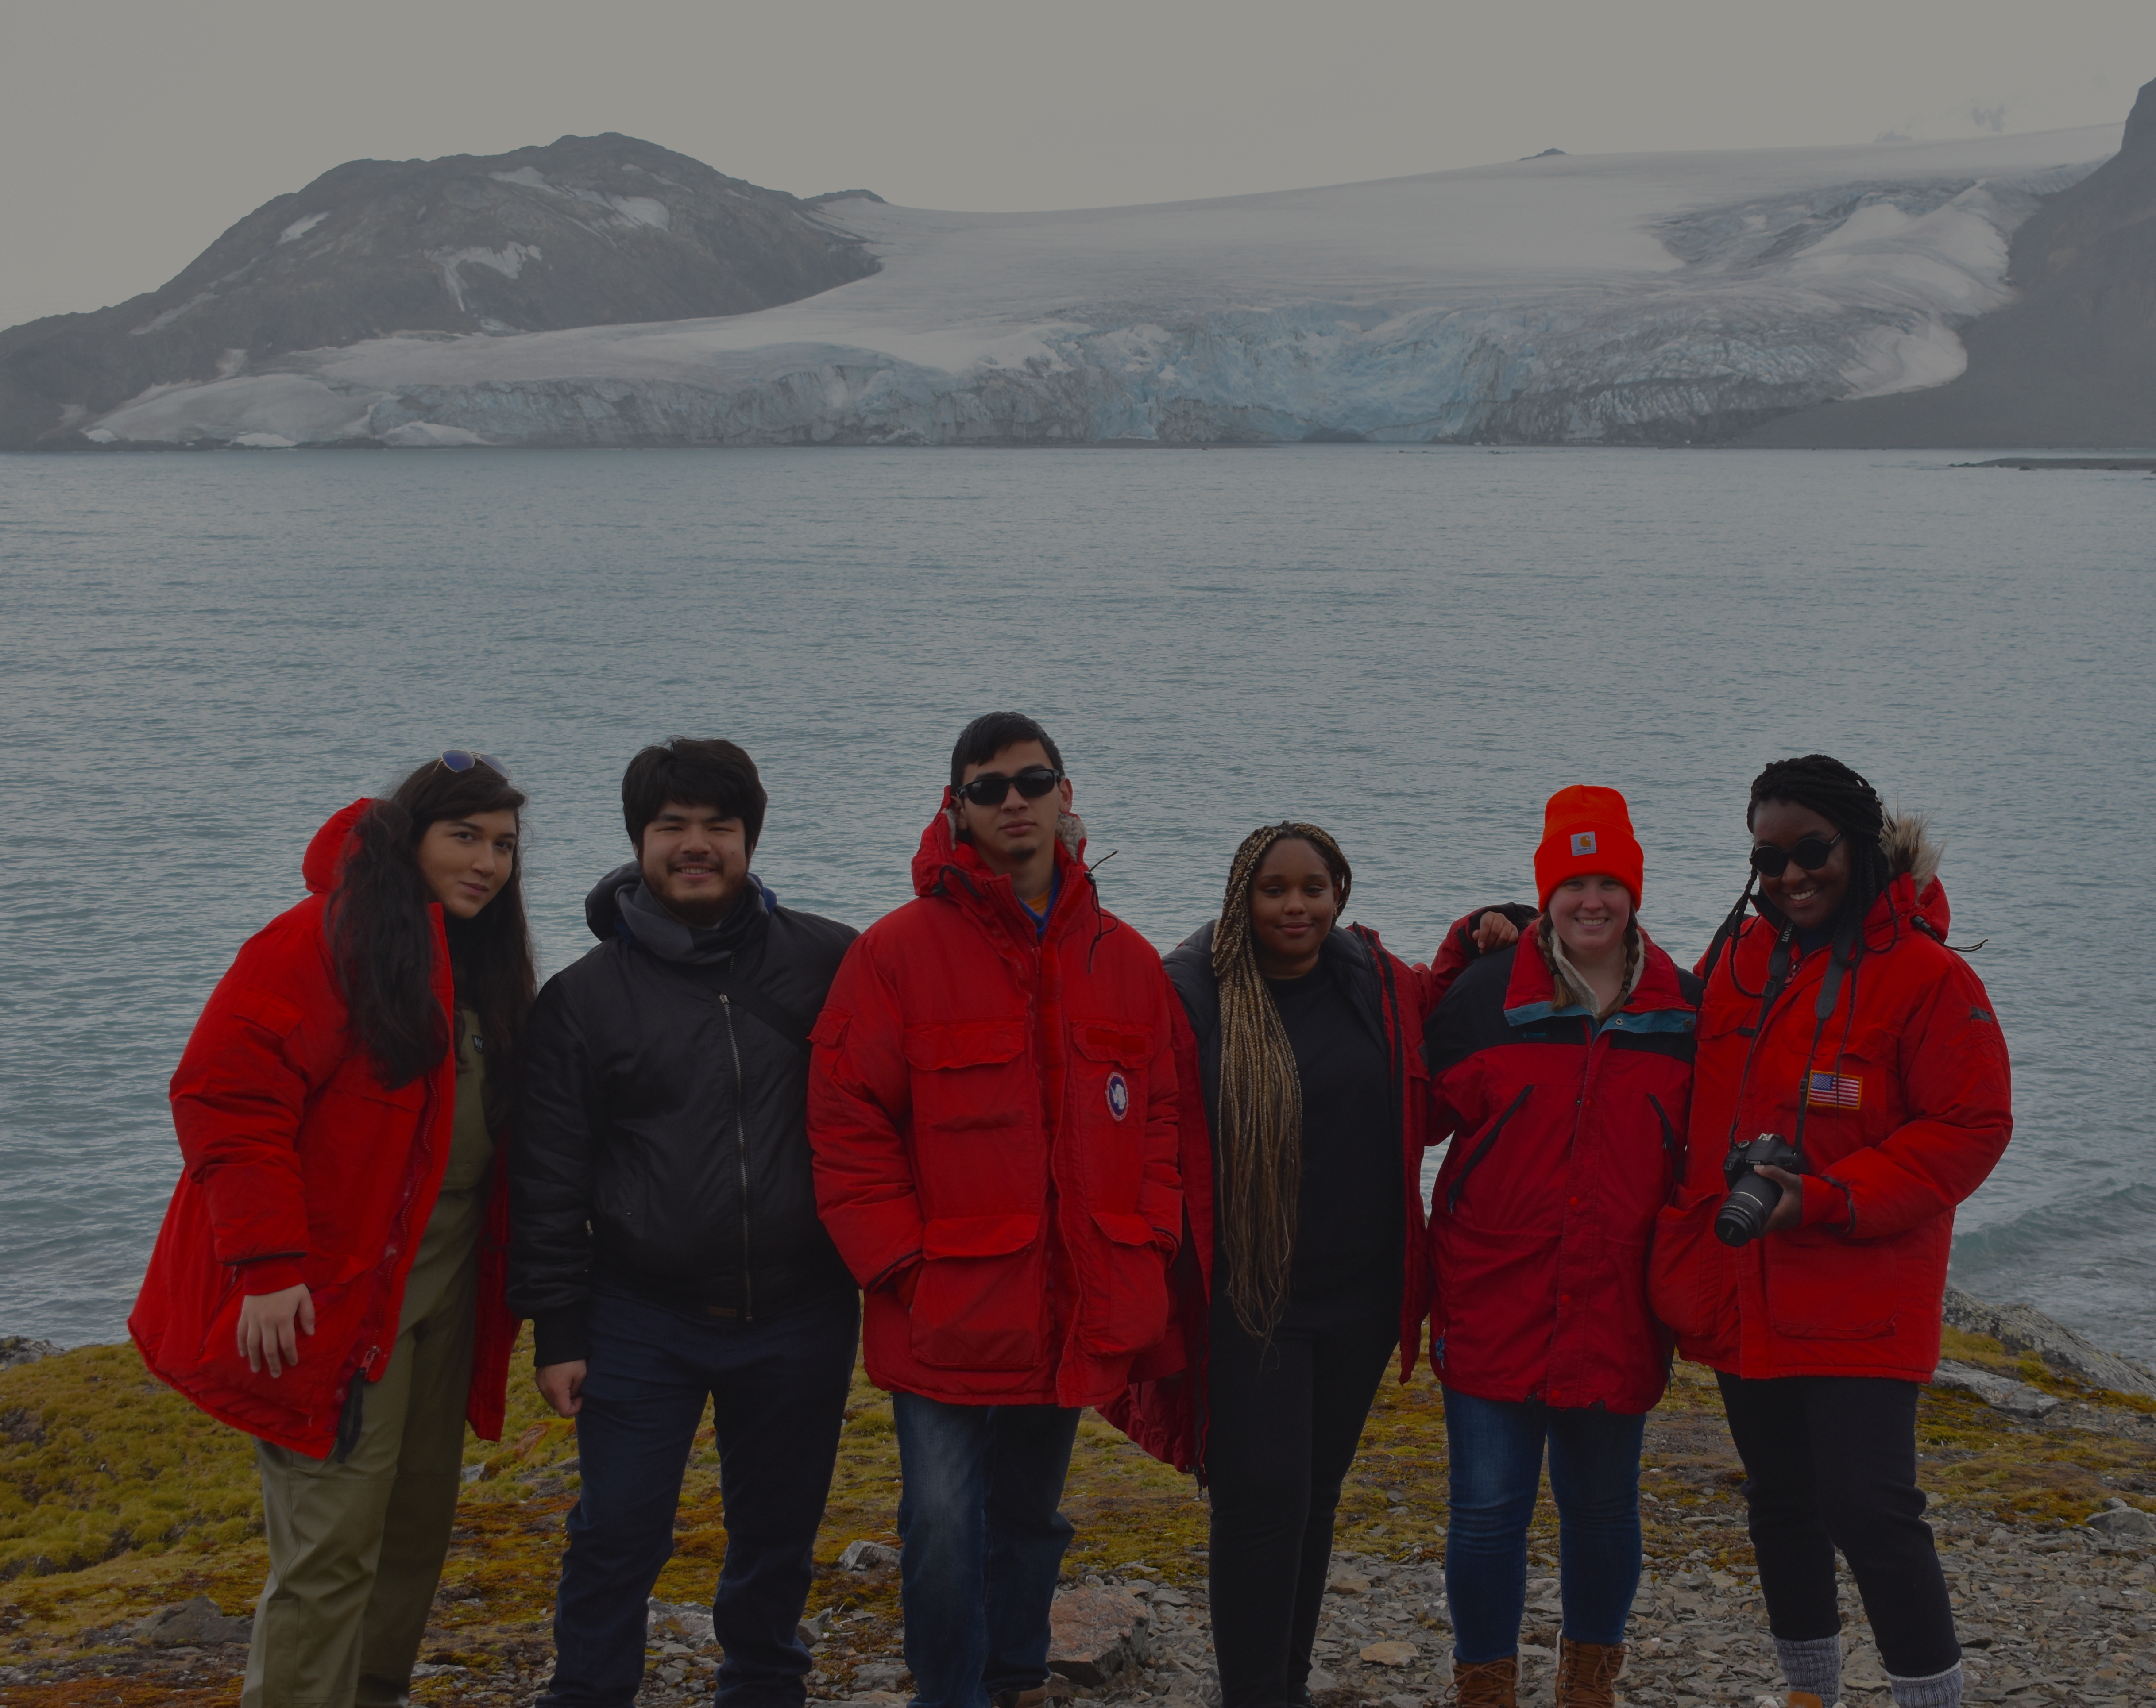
(383, 936)
(1256, 1196)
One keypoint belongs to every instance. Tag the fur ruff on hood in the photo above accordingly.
(1905, 839)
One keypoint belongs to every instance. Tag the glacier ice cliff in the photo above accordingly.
(1654, 298)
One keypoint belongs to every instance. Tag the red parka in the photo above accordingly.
(1906, 1108)
(992, 1114)
(1565, 1145)
(300, 1167)
(1165, 1416)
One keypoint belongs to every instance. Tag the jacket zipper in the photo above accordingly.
(741, 1156)
(1483, 1149)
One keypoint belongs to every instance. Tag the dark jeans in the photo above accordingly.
(982, 1543)
(1831, 1462)
(1496, 1448)
(778, 1389)
(1283, 1423)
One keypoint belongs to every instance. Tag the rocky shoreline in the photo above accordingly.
(2043, 1482)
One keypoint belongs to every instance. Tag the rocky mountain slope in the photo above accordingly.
(2072, 361)
(588, 231)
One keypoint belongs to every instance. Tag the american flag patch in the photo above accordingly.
(1836, 1092)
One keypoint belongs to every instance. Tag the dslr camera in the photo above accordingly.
(1742, 1216)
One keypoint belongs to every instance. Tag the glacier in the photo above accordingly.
(1657, 298)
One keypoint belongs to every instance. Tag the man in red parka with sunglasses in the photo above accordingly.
(992, 1106)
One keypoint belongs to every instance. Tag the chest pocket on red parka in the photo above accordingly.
(972, 1084)
(1105, 1092)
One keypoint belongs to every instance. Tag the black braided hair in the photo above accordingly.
(1846, 801)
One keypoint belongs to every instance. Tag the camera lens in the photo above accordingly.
(1743, 1217)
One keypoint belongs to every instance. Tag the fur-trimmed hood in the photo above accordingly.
(1907, 840)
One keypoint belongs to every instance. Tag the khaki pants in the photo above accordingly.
(356, 1549)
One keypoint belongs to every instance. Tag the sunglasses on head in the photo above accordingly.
(992, 788)
(457, 759)
(1810, 853)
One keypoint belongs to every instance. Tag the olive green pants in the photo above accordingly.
(356, 1548)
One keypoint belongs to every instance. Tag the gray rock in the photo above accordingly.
(2023, 1328)
(878, 1675)
(866, 1556)
(1095, 1634)
(21, 1349)
(681, 1620)
(195, 1623)
(2120, 1519)
(2001, 1392)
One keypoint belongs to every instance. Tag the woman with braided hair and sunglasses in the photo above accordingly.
(330, 1275)
(1852, 1086)
(1561, 1071)
(1304, 1267)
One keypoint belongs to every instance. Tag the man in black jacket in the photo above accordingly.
(666, 1243)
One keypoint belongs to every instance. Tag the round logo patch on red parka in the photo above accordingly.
(1119, 1095)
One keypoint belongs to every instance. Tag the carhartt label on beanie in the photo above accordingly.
(1588, 831)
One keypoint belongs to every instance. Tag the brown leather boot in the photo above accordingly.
(1485, 1684)
(1587, 1673)
(1036, 1697)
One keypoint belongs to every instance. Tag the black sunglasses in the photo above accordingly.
(457, 759)
(992, 788)
(1810, 853)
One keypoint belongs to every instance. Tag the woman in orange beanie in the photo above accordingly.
(1561, 1068)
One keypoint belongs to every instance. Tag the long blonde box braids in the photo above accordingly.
(1260, 1135)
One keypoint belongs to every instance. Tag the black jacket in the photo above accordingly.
(662, 1140)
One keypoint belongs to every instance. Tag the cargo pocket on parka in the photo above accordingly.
(982, 1300)
(967, 1077)
(1822, 1288)
(1692, 1277)
(1128, 1310)
(1106, 1093)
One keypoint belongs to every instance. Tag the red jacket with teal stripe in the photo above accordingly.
(1566, 1140)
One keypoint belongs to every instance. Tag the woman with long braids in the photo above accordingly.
(330, 1276)
(1839, 1021)
(1562, 1071)
(1304, 1266)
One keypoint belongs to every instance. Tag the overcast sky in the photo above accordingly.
(134, 133)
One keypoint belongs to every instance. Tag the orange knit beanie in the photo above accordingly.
(1588, 830)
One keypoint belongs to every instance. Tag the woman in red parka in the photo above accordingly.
(330, 1276)
(1839, 1021)
(1301, 1102)
(1562, 1070)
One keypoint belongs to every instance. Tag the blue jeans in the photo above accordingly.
(1496, 1448)
(777, 1390)
(983, 1542)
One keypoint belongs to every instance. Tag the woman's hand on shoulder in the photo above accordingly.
(1494, 931)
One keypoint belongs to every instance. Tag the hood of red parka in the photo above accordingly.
(940, 847)
(1912, 856)
(331, 845)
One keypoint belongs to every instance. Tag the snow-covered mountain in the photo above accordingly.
(585, 231)
(1642, 298)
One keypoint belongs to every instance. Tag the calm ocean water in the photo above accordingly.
(205, 655)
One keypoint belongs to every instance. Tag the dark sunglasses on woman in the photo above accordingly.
(991, 788)
(457, 759)
(1810, 853)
